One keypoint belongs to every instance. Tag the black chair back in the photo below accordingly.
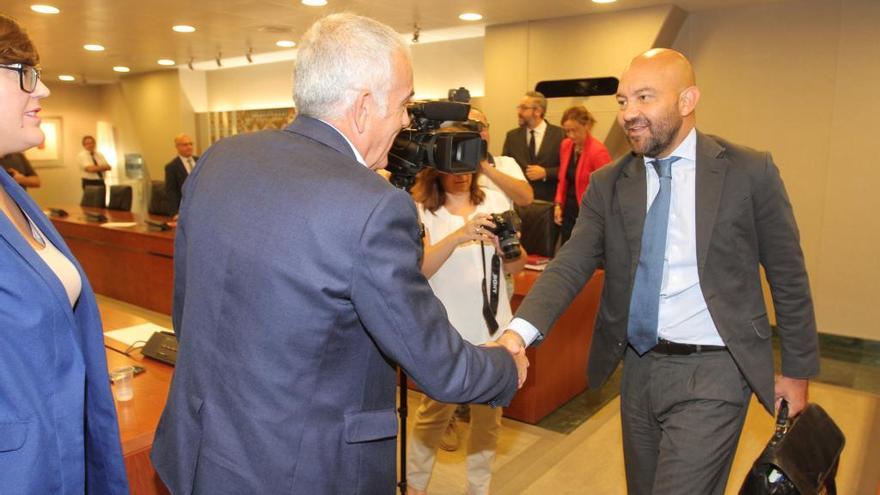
(540, 234)
(93, 196)
(120, 198)
(159, 204)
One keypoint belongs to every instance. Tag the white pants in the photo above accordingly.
(432, 418)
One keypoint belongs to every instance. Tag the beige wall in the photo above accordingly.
(808, 93)
(155, 108)
(80, 110)
(518, 56)
(146, 111)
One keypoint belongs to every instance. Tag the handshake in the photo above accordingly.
(515, 345)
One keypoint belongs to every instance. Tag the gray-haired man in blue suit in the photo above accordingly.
(297, 288)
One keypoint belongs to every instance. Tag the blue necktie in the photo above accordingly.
(644, 306)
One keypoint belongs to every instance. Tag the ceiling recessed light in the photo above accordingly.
(121, 68)
(45, 9)
(165, 61)
(470, 16)
(94, 48)
(66, 77)
(285, 43)
(183, 28)
(314, 3)
(604, 1)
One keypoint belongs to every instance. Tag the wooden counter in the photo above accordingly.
(139, 416)
(132, 264)
(558, 366)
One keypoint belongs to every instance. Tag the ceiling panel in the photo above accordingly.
(138, 33)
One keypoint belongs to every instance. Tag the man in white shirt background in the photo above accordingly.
(92, 162)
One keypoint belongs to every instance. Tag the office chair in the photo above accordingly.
(158, 199)
(540, 235)
(120, 198)
(93, 196)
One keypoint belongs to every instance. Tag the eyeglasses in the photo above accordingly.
(524, 107)
(28, 76)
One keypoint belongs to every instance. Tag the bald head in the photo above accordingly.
(657, 96)
(184, 145)
(669, 64)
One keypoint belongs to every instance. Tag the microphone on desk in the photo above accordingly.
(96, 217)
(157, 225)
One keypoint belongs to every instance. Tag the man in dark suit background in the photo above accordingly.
(682, 303)
(298, 287)
(177, 171)
(535, 145)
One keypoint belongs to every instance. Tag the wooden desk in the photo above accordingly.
(132, 264)
(558, 366)
(139, 416)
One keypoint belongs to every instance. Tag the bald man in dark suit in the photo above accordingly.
(682, 226)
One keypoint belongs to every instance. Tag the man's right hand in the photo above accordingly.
(516, 346)
(557, 214)
(519, 358)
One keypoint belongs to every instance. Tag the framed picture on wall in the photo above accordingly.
(49, 153)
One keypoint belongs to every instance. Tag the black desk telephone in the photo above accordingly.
(162, 346)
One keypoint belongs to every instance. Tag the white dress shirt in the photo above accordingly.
(540, 130)
(189, 163)
(84, 159)
(458, 281)
(683, 316)
(508, 166)
(357, 154)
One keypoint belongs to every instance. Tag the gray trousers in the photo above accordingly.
(682, 417)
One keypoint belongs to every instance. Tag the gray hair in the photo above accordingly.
(340, 55)
(540, 100)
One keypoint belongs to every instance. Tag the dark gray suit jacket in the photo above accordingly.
(744, 220)
(516, 146)
(296, 290)
(175, 176)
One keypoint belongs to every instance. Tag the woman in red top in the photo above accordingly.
(580, 154)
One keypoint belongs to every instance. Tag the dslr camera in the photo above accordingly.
(507, 224)
(425, 143)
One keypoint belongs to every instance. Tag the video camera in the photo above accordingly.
(426, 144)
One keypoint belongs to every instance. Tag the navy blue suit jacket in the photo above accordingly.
(297, 289)
(58, 427)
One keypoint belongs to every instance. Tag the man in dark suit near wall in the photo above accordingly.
(178, 169)
(682, 303)
(535, 145)
(298, 286)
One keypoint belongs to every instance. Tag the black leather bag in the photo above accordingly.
(800, 459)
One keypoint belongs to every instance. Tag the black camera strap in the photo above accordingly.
(490, 303)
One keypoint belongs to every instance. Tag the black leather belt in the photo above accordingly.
(677, 349)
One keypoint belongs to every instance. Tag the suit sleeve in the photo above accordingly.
(409, 324)
(172, 187)
(780, 254)
(506, 149)
(572, 267)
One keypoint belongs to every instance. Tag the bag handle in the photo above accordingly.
(782, 422)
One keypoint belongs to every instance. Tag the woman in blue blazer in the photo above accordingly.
(58, 428)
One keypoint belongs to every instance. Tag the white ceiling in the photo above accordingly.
(136, 33)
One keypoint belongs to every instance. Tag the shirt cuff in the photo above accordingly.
(526, 330)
